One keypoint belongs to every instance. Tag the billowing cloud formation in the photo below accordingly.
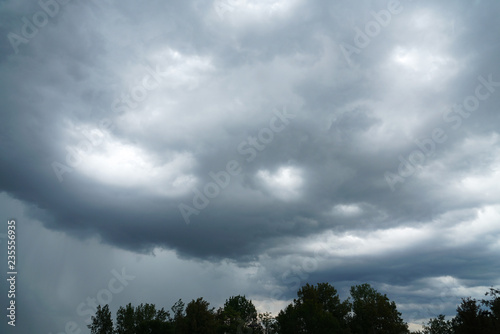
(368, 130)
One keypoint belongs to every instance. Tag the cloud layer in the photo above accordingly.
(360, 138)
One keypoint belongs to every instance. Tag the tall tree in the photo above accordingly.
(101, 322)
(239, 315)
(438, 326)
(179, 320)
(374, 313)
(145, 318)
(125, 320)
(493, 313)
(149, 320)
(317, 309)
(267, 322)
(471, 318)
(288, 321)
(200, 319)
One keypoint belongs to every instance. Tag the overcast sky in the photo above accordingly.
(157, 150)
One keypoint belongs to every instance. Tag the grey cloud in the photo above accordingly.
(221, 81)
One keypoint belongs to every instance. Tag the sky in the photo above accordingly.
(159, 150)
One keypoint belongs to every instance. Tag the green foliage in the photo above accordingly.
(178, 309)
(374, 313)
(179, 320)
(288, 320)
(101, 322)
(125, 320)
(239, 316)
(267, 322)
(469, 317)
(317, 309)
(199, 318)
(438, 326)
(493, 312)
(145, 318)
(473, 317)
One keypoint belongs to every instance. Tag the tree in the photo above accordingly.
(239, 315)
(317, 309)
(374, 313)
(101, 322)
(267, 322)
(125, 320)
(471, 318)
(199, 318)
(145, 318)
(179, 320)
(288, 321)
(438, 326)
(149, 320)
(493, 312)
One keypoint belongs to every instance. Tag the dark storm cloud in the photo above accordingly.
(333, 144)
(159, 96)
(338, 154)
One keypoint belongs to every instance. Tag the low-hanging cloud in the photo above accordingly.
(369, 128)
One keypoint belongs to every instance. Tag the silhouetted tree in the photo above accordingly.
(267, 322)
(199, 318)
(470, 318)
(239, 315)
(374, 313)
(438, 326)
(145, 318)
(288, 320)
(149, 320)
(101, 322)
(493, 310)
(317, 309)
(179, 320)
(125, 320)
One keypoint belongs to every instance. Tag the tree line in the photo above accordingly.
(473, 317)
(317, 309)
